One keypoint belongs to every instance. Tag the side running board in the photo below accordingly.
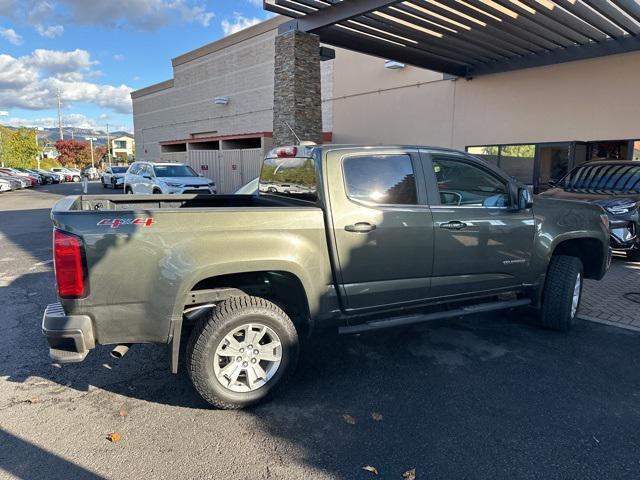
(427, 317)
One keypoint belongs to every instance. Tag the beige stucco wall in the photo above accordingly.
(595, 99)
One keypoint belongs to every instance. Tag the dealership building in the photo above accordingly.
(536, 93)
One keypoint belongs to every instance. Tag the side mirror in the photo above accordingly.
(525, 198)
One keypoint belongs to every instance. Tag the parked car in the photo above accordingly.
(31, 180)
(156, 178)
(39, 178)
(615, 186)
(113, 177)
(56, 177)
(379, 237)
(70, 176)
(48, 178)
(5, 185)
(249, 188)
(91, 173)
(16, 182)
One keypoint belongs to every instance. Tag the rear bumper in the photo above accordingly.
(70, 337)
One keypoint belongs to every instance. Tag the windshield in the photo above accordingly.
(293, 177)
(118, 169)
(608, 177)
(174, 171)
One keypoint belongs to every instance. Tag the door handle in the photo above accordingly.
(360, 227)
(453, 225)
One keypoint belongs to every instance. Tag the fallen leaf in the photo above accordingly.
(349, 419)
(377, 417)
(33, 400)
(409, 474)
(42, 382)
(114, 437)
(371, 469)
(123, 412)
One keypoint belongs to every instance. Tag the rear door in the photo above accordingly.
(480, 243)
(382, 226)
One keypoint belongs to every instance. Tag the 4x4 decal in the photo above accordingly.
(117, 222)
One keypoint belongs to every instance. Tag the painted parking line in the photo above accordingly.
(610, 323)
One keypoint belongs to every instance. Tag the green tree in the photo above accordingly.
(18, 148)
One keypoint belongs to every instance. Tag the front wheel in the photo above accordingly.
(242, 352)
(76, 179)
(562, 292)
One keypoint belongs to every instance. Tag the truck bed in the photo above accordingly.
(171, 202)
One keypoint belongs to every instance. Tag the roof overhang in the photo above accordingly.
(470, 37)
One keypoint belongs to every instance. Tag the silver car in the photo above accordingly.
(5, 185)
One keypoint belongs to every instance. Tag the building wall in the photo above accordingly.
(594, 99)
(242, 71)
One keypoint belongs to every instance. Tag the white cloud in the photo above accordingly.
(238, 23)
(31, 82)
(10, 35)
(118, 57)
(51, 31)
(256, 3)
(4, 113)
(143, 14)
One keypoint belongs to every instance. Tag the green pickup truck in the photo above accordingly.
(352, 238)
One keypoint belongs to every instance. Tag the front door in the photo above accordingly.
(480, 243)
(383, 230)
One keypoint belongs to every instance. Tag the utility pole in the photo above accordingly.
(108, 145)
(91, 139)
(59, 116)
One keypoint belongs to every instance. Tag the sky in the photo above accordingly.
(95, 52)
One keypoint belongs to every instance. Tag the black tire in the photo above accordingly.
(557, 297)
(156, 192)
(76, 179)
(212, 328)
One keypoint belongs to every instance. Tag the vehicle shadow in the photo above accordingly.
(23, 459)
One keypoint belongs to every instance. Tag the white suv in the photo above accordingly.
(151, 177)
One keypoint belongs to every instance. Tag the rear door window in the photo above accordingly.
(381, 179)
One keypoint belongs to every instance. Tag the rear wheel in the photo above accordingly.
(562, 292)
(128, 191)
(242, 352)
(76, 179)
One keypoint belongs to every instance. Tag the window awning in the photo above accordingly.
(470, 37)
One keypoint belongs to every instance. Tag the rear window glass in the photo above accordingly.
(292, 177)
(382, 179)
(118, 169)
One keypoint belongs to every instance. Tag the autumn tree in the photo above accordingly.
(73, 153)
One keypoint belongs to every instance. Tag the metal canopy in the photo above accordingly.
(470, 37)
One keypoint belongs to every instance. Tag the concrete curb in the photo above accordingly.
(610, 323)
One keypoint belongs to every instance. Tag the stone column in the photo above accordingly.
(297, 96)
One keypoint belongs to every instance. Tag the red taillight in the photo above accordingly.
(69, 265)
(287, 151)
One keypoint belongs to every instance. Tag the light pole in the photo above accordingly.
(91, 139)
(108, 145)
(38, 155)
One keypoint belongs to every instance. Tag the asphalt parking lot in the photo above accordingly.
(488, 397)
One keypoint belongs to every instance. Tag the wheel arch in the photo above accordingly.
(589, 250)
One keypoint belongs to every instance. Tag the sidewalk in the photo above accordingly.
(604, 301)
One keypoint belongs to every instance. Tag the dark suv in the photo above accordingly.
(615, 186)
